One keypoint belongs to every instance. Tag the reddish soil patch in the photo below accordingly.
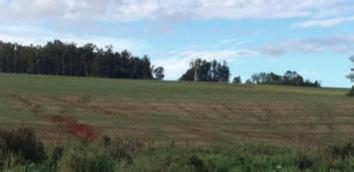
(80, 130)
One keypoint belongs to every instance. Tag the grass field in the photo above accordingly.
(186, 113)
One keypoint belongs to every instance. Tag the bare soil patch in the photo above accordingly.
(81, 130)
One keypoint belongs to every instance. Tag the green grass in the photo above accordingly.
(186, 113)
(177, 126)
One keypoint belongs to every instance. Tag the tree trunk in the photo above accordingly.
(63, 68)
(351, 93)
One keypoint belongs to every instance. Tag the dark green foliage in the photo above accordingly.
(289, 78)
(58, 58)
(23, 143)
(304, 162)
(237, 80)
(202, 70)
(197, 164)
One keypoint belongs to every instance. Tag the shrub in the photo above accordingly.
(197, 164)
(304, 162)
(22, 143)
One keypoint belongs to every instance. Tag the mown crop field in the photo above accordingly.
(185, 113)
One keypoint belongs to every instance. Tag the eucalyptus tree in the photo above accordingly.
(202, 70)
(159, 73)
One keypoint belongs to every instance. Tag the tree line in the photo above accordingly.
(291, 78)
(58, 58)
(214, 71)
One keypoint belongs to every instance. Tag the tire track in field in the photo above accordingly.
(78, 129)
(188, 111)
(30, 105)
(228, 108)
(85, 105)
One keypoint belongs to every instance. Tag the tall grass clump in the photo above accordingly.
(104, 156)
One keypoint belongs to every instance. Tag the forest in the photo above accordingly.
(58, 58)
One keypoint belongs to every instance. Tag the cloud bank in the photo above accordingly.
(135, 10)
(323, 22)
(341, 44)
(27, 35)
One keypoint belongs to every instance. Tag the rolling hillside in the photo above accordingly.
(195, 114)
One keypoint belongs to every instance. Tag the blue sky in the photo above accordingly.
(313, 37)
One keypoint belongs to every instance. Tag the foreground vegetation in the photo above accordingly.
(21, 151)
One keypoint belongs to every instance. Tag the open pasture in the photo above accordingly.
(186, 113)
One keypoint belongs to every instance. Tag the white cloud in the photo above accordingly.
(178, 63)
(227, 42)
(28, 10)
(132, 10)
(238, 9)
(309, 73)
(210, 55)
(232, 42)
(323, 22)
(342, 44)
(26, 35)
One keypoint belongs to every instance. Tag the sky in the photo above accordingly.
(313, 37)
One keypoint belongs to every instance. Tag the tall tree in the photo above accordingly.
(202, 70)
(223, 73)
(351, 76)
(293, 78)
(159, 73)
